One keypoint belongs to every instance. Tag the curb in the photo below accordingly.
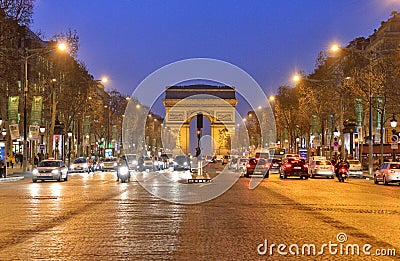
(11, 179)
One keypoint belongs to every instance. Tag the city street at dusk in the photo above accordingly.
(199, 130)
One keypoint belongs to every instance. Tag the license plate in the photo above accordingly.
(297, 167)
(275, 165)
(45, 174)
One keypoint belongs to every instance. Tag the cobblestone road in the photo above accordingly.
(92, 217)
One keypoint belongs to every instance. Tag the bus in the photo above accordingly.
(262, 154)
(276, 152)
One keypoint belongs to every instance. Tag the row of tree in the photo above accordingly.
(70, 93)
(342, 87)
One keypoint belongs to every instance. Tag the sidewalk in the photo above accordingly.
(15, 174)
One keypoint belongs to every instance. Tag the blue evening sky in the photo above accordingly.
(129, 39)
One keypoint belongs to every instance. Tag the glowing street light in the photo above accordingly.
(34, 52)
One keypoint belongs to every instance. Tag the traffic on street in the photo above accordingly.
(94, 216)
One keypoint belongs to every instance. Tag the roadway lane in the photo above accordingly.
(94, 217)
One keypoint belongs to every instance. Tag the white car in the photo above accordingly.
(109, 164)
(321, 168)
(355, 169)
(50, 170)
(79, 165)
(388, 172)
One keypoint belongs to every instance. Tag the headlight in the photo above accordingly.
(123, 170)
(115, 164)
(101, 164)
(134, 162)
(184, 163)
(35, 172)
(54, 171)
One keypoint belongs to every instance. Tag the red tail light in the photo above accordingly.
(306, 166)
(248, 165)
(287, 165)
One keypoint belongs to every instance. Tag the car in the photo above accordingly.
(275, 165)
(323, 168)
(50, 169)
(132, 161)
(356, 169)
(181, 162)
(257, 166)
(158, 163)
(211, 159)
(388, 172)
(293, 167)
(225, 159)
(291, 155)
(242, 164)
(109, 164)
(167, 160)
(146, 164)
(79, 165)
(233, 164)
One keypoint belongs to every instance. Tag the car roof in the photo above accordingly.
(51, 160)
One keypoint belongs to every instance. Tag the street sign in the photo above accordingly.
(41, 146)
(394, 139)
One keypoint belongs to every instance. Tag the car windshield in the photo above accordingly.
(181, 159)
(394, 166)
(325, 162)
(49, 164)
(80, 160)
(292, 160)
(354, 162)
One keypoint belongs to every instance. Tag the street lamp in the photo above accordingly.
(69, 147)
(42, 129)
(335, 48)
(393, 124)
(34, 52)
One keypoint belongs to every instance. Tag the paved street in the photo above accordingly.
(93, 217)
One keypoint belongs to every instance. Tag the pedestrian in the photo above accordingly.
(8, 160)
(36, 160)
(12, 160)
(1, 168)
(21, 160)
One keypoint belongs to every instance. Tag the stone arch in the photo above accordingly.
(217, 103)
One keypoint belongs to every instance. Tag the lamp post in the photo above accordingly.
(393, 124)
(336, 48)
(42, 129)
(34, 52)
(69, 147)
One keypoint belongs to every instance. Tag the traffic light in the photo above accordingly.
(199, 120)
(198, 133)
